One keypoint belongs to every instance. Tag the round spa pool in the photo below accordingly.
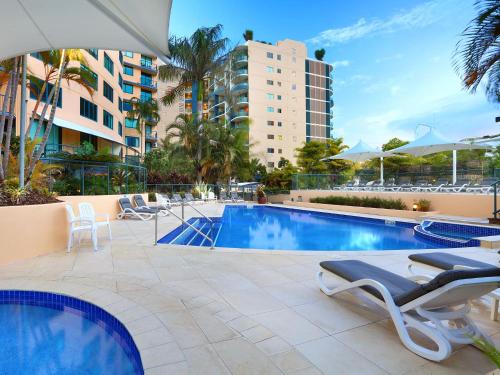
(47, 333)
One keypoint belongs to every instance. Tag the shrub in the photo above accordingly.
(424, 205)
(394, 204)
(151, 197)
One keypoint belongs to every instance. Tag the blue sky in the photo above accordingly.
(393, 59)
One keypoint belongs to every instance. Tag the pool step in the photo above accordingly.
(185, 235)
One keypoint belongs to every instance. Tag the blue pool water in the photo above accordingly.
(43, 340)
(275, 228)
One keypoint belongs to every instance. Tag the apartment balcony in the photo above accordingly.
(242, 100)
(240, 116)
(143, 65)
(216, 105)
(240, 60)
(151, 137)
(240, 75)
(239, 88)
(145, 83)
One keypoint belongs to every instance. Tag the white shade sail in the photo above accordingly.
(128, 25)
(433, 142)
(358, 153)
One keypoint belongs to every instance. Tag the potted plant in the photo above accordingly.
(261, 194)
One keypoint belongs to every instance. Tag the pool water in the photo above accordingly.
(42, 340)
(264, 227)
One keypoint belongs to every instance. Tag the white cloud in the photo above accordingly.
(340, 63)
(420, 16)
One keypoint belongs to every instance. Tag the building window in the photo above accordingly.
(279, 70)
(280, 151)
(279, 97)
(280, 137)
(132, 141)
(294, 86)
(128, 54)
(36, 55)
(270, 82)
(148, 146)
(129, 89)
(34, 93)
(120, 81)
(92, 79)
(128, 70)
(270, 150)
(270, 109)
(279, 84)
(269, 69)
(108, 64)
(269, 55)
(107, 91)
(107, 119)
(146, 79)
(120, 57)
(279, 110)
(94, 52)
(294, 59)
(270, 164)
(146, 61)
(88, 109)
(120, 129)
(280, 123)
(120, 104)
(270, 136)
(127, 106)
(278, 57)
(270, 96)
(131, 123)
(146, 96)
(270, 123)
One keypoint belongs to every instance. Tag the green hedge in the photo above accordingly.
(394, 204)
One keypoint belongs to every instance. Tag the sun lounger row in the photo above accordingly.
(436, 305)
(141, 210)
(441, 185)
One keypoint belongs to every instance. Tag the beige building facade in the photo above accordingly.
(284, 96)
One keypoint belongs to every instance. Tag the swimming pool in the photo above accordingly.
(280, 228)
(46, 333)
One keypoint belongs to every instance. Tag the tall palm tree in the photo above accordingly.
(64, 58)
(478, 54)
(144, 111)
(193, 60)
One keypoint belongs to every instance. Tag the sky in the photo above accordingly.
(392, 59)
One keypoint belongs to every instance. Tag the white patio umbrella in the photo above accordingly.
(362, 152)
(40, 25)
(433, 142)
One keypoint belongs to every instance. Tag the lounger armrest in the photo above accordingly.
(80, 220)
(102, 216)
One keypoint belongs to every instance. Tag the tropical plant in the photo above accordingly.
(319, 54)
(248, 35)
(374, 202)
(60, 59)
(261, 191)
(477, 55)
(489, 350)
(144, 112)
(193, 61)
(309, 157)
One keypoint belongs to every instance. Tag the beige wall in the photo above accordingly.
(168, 113)
(468, 205)
(292, 133)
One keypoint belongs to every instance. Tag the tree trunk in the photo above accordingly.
(8, 135)
(57, 86)
(35, 109)
(4, 117)
(42, 115)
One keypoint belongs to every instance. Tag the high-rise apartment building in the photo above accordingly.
(285, 96)
(100, 118)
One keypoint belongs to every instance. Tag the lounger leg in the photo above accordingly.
(70, 241)
(94, 238)
(494, 308)
(109, 231)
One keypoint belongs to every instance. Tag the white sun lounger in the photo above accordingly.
(437, 309)
(127, 211)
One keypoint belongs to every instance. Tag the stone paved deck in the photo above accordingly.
(201, 311)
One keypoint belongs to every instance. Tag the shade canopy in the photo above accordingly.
(360, 152)
(433, 142)
(129, 25)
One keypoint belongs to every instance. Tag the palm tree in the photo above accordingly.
(63, 57)
(193, 61)
(189, 137)
(144, 111)
(478, 55)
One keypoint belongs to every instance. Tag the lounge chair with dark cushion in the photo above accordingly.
(188, 198)
(457, 187)
(140, 203)
(433, 308)
(236, 198)
(437, 262)
(176, 199)
(224, 198)
(436, 186)
(138, 213)
(483, 187)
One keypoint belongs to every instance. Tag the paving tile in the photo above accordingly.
(183, 327)
(179, 368)
(291, 361)
(161, 355)
(293, 293)
(273, 345)
(214, 329)
(155, 337)
(252, 301)
(257, 333)
(204, 360)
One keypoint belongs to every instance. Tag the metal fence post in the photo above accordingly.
(108, 178)
(156, 227)
(182, 206)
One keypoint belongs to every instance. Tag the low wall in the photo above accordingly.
(415, 215)
(278, 198)
(33, 230)
(453, 204)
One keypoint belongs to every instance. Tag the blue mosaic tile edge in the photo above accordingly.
(81, 308)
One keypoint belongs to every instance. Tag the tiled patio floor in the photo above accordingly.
(202, 311)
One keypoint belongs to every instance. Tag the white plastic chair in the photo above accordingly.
(87, 213)
(78, 225)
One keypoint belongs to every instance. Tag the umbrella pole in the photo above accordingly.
(382, 170)
(454, 167)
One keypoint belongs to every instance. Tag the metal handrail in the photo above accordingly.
(495, 209)
(202, 214)
(185, 222)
